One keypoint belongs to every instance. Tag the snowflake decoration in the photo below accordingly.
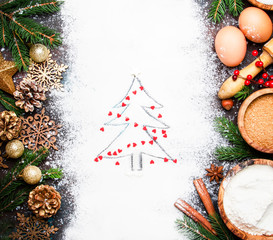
(39, 131)
(48, 73)
(32, 228)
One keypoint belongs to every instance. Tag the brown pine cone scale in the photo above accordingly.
(10, 125)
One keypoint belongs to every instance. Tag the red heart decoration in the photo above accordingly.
(118, 115)
(123, 104)
(117, 163)
(159, 115)
(141, 88)
(110, 114)
(166, 159)
(165, 135)
(144, 128)
(135, 125)
(134, 92)
(151, 142)
(127, 119)
(134, 144)
(128, 145)
(102, 129)
(154, 138)
(119, 150)
(175, 160)
(152, 107)
(96, 160)
(143, 142)
(154, 131)
(115, 153)
(109, 154)
(127, 98)
(152, 162)
(100, 157)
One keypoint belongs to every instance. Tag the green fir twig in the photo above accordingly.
(235, 7)
(9, 104)
(219, 226)
(52, 173)
(13, 190)
(17, 29)
(244, 93)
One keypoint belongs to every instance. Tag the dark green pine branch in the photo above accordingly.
(239, 150)
(13, 190)
(9, 104)
(221, 229)
(217, 10)
(52, 173)
(244, 93)
(16, 29)
(235, 7)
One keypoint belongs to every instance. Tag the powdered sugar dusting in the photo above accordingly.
(164, 43)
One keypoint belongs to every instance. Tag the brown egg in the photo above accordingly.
(230, 46)
(255, 24)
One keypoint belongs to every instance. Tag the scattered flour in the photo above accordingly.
(163, 42)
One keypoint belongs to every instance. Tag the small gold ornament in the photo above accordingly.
(31, 175)
(15, 149)
(38, 53)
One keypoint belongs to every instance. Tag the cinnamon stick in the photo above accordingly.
(193, 214)
(204, 195)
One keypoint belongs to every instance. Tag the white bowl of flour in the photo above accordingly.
(246, 199)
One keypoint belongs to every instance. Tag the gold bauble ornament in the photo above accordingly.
(15, 149)
(38, 53)
(31, 175)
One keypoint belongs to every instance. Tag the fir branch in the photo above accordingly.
(217, 10)
(234, 153)
(194, 230)
(219, 226)
(9, 104)
(52, 173)
(235, 7)
(229, 131)
(244, 93)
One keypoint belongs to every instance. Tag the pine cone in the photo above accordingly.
(29, 95)
(10, 125)
(44, 201)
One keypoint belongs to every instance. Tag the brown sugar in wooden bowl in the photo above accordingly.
(255, 120)
(261, 5)
(234, 229)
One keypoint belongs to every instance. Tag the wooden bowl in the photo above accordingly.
(238, 232)
(241, 120)
(261, 5)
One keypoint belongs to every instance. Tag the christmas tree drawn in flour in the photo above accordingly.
(142, 133)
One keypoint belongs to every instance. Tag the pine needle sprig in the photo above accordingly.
(16, 29)
(244, 93)
(221, 229)
(12, 188)
(234, 153)
(52, 173)
(9, 104)
(194, 230)
(217, 10)
(235, 7)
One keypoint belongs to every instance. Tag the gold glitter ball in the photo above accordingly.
(32, 175)
(38, 53)
(15, 149)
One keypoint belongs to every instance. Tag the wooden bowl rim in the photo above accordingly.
(262, 5)
(238, 232)
(241, 115)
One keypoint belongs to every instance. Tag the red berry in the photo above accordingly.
(255, 53)
(249, 77)
(247, 82)
(257, 63)
(236, 72)
(260, 81)
(271, 77)
(261, 63)
(266, 84)
(271, 84)
(234, 77)
(265, 75)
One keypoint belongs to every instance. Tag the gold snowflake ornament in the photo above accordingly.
(32, 228)
(48, 73)
(39, 131)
